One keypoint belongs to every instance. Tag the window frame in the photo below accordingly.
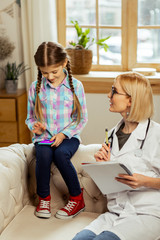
(129, 36)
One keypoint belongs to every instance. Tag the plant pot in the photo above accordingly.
(11, 86)
(81, 60)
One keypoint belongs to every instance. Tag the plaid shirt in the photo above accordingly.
(57, 105)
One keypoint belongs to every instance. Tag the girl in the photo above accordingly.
(135, 141)
(56, 112)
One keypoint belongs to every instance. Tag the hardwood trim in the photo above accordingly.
(124, 48)
(101, 82)
(97, 29)
(147, 65)
(107, 67)
(61, 21)
(132, 33)
(94, 26)
(149, 27)
(104, 87)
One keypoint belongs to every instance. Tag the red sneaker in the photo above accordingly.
(43, 208)
(74, 206)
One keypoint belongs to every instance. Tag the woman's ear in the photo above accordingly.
(129, 102)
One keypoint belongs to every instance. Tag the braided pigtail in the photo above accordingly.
(76, 104)
(38, 109)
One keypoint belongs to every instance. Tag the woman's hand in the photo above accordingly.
(103, 154)
(59, 137)
(38, 128)
(134, 181)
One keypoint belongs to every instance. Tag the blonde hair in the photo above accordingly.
(139, 89)
(54, 54)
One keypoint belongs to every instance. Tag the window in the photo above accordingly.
(134, 27)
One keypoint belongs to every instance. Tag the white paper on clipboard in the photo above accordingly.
(104, 173)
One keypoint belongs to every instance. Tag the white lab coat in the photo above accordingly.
(134, 214)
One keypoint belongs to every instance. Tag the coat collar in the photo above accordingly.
(139, 132)
(134, 141)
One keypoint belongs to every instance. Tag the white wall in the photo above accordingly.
(10, 24)
(100, 118)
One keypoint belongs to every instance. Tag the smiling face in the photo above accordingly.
(53, 73)
(120, 102)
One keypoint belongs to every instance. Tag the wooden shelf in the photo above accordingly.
(101, 82)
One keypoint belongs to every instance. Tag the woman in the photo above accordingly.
(135, 142)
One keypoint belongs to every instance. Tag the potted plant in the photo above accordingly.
(79, 53)
(12, 72)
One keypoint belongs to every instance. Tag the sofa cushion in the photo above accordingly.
(26, 226)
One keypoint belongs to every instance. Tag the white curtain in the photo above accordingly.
(38, 25)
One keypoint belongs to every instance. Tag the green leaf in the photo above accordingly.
(78, 28)
(87, 31)
(72, 43)
(84, 39)
(102, 40)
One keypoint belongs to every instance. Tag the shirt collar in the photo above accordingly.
(65, 82)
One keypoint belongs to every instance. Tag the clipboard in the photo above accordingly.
(104, 173)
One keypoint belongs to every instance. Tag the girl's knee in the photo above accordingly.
(59, 152)
(61, 155)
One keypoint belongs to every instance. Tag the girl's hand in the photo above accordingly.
(103, 154)
(134, 181)
(58, 139)
(38, 128)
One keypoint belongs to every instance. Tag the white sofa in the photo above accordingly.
(18, 196)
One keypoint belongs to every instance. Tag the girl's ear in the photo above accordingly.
(65, 63)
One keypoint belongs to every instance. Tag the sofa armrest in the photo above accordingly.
(13, 182)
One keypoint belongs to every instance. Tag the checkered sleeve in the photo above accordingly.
(30, 120)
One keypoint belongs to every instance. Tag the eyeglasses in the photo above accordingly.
(114, 91)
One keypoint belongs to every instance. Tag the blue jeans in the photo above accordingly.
(61, 156)
(89, 235)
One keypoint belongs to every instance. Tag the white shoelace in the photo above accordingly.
(44, 204)
(70, 205)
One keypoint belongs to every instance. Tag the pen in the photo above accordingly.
(106, 131)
